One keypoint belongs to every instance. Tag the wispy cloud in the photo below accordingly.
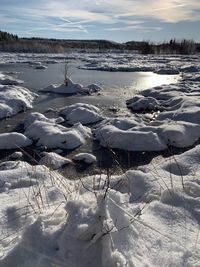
(139, 28)
(82, 15)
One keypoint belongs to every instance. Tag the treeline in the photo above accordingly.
(12, 43)
(8, 37)
(184, 47)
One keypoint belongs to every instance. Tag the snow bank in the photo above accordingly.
(13, 140)
(83, 113)
(14, 99)
(102, 221)
(53, 160)
(71, 88)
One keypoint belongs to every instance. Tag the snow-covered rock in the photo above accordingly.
(53, 160)
(14, 99)
(85, 157)
(83, 113)
(13, 140)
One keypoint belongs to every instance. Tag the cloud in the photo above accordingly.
(139, 28)
(80, 15)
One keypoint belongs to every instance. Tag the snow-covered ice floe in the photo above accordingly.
(48, 133)
(70, 88)
(14, 99)
(145, 217)
(83, 113)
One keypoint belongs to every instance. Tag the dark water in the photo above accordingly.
(117, 88)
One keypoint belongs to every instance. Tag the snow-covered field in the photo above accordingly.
(147, 216)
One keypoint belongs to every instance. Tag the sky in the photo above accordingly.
(117, 20)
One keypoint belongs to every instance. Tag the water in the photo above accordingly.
(117, 88)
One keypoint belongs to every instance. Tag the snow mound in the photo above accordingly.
(85, 157)
(154, 136)
(53, 135)
(83, 113)
(71, 88)
(140, 103)
(14, 99)
(53, 160)
(129, 140)
(13, 140)
(36, 116)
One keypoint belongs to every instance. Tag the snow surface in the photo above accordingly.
(83, 113)
(145, 217)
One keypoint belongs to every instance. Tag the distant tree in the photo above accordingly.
(147, 48)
